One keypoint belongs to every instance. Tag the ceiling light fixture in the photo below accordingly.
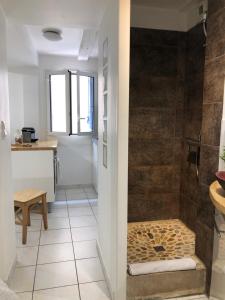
(52, 34)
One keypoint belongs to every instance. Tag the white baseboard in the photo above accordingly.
(12, 269)
(104, 271)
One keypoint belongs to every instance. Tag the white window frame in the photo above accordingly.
(48, 74)
(69, 103)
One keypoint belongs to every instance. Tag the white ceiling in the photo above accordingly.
(70, 45)
(164, 4)
(65, 13)
(67, 45)
(78, 20)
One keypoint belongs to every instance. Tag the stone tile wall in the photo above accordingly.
(211, 124)
(176, 92)
(156, 117)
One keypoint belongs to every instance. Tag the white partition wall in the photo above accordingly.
(112, 185)
(7, 227)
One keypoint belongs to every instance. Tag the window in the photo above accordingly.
(71, 103)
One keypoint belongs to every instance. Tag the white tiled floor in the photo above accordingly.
(62, 262)
(197, 297)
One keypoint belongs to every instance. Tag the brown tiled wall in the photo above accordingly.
(195, 60)
(195, 206)
(211, 122)
(156, 116)
(176, 93)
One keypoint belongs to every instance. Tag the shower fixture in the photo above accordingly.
(194, 148)
(204, 23)
(202, 11)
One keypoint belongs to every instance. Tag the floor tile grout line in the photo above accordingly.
(70, 206)
(103, 280)
(86, 196)
(55, 287)
(62, 286)
(35, 272)
(93, 212)
(66, 242)
(74, 254)
(82, 216)
(56, 243)
(43, 244)
(55, 262)
(95, 240)
(61, 261)
(73, 245)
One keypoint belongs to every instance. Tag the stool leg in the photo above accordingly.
(44, 212)
(25, 222)
(28, 220)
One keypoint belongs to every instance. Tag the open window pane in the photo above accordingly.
(74, 102)
(58, 102)
(86, 91)
(71, 103)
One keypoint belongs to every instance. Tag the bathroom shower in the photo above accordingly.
(166, 101)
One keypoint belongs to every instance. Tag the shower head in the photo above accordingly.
(204, 17)
(202, 11)
(204, 23)
(204, 28)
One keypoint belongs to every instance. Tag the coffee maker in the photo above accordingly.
(28, 134)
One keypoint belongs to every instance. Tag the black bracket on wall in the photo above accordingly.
(193, 158)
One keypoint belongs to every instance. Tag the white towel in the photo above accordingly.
(162, 266)
(6, 293)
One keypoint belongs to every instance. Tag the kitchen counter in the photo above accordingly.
(40, 145)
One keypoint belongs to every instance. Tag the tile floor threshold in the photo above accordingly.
(61, 262)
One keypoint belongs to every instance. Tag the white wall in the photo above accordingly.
(22, 60)
(7, 227)
(24, 101)
(16, 103)
(18, 38)
(155, 18)
(112, 186)
(31, 101)
(95, 164)
(74, 152)
(76, 162)
(167, 19)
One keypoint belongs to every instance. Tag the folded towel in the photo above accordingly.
(6, 293)
(162, 266)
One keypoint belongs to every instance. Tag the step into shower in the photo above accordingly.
(158, 241)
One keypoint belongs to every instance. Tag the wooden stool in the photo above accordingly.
(24, 201)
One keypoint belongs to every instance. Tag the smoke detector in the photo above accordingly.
(52, 34)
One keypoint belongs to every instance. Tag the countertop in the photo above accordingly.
(40, 145)
(217, 195)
